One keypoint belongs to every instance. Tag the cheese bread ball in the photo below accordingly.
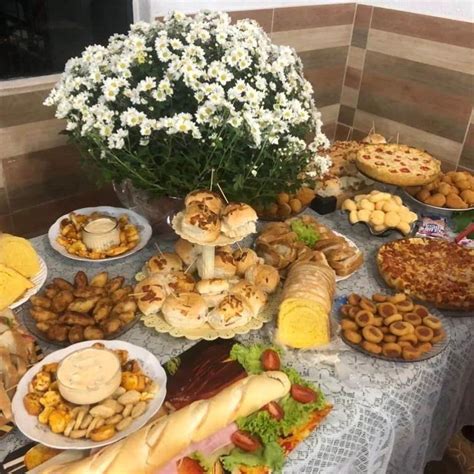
(377, 218)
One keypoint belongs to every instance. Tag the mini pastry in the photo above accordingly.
(353, 311)
(379, 298)
(263, 276)
(425, 347)
(405, 306)
(411, 353)
(383, 328)
(150, 295)
(412, 318)
(404, 344)
(397, 298)
(253, 296)
(371, 347)
(348, 324)
(372, 334)
(231, 312)
(353, 299)
(439, 335)
(187, 251)
(224, 266)
(424, 334)
(352, 336)
(164, 263)
(364, 318)
(411, 337)
(345, 309)
(393, 319)
(389, 338)
(432, 322)
(378, 321)
(387, 309)
(421, 311)
(391, 349)
(368, 305)
(202, 196)
(200, 223)
(401, 328)
(238, 219)
(245, 258)
(186, 310)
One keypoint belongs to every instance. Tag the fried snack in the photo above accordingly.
(38, 455)
(372, 334)
(391, 349)
(371, 347)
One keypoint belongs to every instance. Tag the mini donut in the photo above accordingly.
(371, 347)
(348, 324)
(364, 318)
(409, 337)
(378, 322)
(344, 309)
(387, 309)
(353, 299)
(393, 319)
(353, 311)
(368, 305)
(352, 336)
(379, 298)
(412, 318)
(421, 311)
(391, 349)
(404, 344)
(424, 334)
(389, 338)
(401, 328)
(397, 298)
(439, 335)
(405, 306)
(432, 322)
(425, 347)
(411, 353)
(372, 334)
(384, 329)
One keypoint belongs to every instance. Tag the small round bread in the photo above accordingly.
(224, 266)
(352, 336)
(186, 310)
(244, 258)
(372, 334)
(253, 296)
(432, 322)
(150, 294)
(212, 286)
(231, 312)
(263, 276)
(424, 334)
(374, 138)
(238, 220)
(364, 318)
(180, 282)
(200, 223)
(401, 328)
(187, 251)
(213, 300)
(202, 196)
(164, 263)
(391, 349)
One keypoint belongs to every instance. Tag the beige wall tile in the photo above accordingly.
(356, 57)
(329, 113)
(349, 96)
(314, 38)
(443, 55)
(442, 148)
(30, 137)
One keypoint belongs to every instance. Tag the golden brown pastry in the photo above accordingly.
(391, 349)
(371, 347)
(372, 334)
(352, 336)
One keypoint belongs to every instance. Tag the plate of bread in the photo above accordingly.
(22, 271)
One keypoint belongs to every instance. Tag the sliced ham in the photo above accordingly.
(207, 447)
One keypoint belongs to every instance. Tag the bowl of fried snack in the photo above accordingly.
(392, 327)
(45, 414)
(100, 307)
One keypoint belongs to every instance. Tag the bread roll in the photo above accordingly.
(212, 286)
(164, 263)
(185, 310)
(187, 252)
(231, 312)
(150, 294)
(224, 266)
(244, 258)
(202, 196)
(263, 276)
(200, 223)
(238, 219)
(157, 443)
(253, 296)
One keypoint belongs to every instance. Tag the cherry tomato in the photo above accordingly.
(245, 441)
(274, 410)
(302, 394)
(270, 360)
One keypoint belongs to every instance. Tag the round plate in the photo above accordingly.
(142, 224)
(438, 347)
(33, 429)
(38, 281)
(445, 211)
(208, 333)
(351, 244)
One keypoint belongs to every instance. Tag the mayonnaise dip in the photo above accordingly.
(101, 234)
(89, 375)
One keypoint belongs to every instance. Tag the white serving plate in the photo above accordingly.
(33, 429)
(142, 224)
(38, 281)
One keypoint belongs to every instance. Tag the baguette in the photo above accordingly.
(157, 443)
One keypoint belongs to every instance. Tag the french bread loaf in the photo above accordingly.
(151, 447)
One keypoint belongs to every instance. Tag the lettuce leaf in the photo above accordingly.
(260, 424)
(304, 232)
(249, 357)
(205, 463)
(270, 455)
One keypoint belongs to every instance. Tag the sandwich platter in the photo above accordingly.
(38, 281)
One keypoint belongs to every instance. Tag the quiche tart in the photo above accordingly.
(431, 270)
(400, 165)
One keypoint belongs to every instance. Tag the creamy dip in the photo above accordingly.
(89, 375)
(101, 234)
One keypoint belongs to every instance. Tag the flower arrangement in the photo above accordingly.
(171, 101)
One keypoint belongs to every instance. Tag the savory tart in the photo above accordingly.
(431, 270)
(400, 165)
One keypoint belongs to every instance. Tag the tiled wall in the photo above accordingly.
(411, 76)
(406, 74)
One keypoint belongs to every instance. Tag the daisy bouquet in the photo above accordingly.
(173, 100)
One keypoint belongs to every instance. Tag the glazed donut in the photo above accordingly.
(344, 310)
(432, 322)
(421, 311)
(401, 328)
(353, 311)
(397, 298)
(353, 299)
(368, 305)
(352, 336)
(412, 318)
(371, 347)
(411, 337)
(393, 319)
(378, 322)
(386, 309)
(348, 324)
(424, 334)
(425, 347)
(372, 334)
(389, 338)
(411, 353)
(379, 298)
(439, 335)
(391, 349)
(405, 306)
(364, 318)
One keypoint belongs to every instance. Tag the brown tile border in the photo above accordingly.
(353, 77)
(17, 109)
(346, 115)
(6, 223)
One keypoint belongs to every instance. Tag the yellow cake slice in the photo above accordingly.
(302, 323)
(12, 286)
(17, 253)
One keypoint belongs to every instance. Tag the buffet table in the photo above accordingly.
(387, 416)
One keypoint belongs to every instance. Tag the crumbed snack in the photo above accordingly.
(400, 165)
